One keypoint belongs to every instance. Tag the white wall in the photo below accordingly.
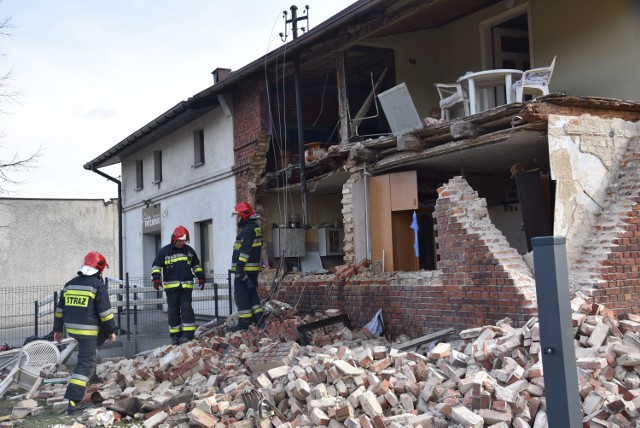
(178, 159)
(596, 43)
(44, 241)
(213, 201)
(186, 195)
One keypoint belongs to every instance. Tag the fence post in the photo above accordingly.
(230, 296)
(35, 323)
(119, 306)
(215, 299)
(128, 309)
(55, 305)
(135, 310)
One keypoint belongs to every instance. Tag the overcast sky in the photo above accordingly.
(93, 72)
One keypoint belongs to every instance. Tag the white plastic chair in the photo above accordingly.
(534, 82)
(450, 95)
(34, 357)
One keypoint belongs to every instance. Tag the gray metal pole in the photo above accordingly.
(298, 90)
(556, 332)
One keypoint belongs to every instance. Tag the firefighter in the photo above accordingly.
(85, 311)
(245, 262)
(176, 264)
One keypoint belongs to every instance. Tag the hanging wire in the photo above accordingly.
(321, 100)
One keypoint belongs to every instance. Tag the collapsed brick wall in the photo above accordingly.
(609, 267)
(486, 279)
(480, 278)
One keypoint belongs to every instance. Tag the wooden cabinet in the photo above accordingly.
(392, 200)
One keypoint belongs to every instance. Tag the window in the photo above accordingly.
(206, 246)
(139, 181)
(157, 164)
(198, 147)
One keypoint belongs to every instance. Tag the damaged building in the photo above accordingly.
(433, 205)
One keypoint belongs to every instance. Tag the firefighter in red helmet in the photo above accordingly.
(85, 310)
(245, 262)
(174, 268)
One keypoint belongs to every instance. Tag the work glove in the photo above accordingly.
(247, 281)
(201, 282)
(157, 284)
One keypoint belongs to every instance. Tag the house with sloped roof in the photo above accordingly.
(339, 140)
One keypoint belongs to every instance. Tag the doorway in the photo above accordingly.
(506, 42)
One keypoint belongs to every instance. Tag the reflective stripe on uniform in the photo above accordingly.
(185, 285)
(79, 380)
(252, 267)
(257, 310)
(81, 288)
(106, 318)
(245, 314)
(82, 293)
(188, 327)
(176, 329)
(82, 332)
(175, 258)
(81, 326)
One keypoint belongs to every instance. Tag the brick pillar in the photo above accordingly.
(347, 219)
(251, 141)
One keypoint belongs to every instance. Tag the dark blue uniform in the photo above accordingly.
(177, 267)
(84, 309)
(246, 260)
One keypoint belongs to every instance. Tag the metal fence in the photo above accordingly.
(140, 310)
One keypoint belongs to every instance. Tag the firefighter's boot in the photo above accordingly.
(259, 319)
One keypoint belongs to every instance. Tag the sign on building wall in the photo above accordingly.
(151, 219)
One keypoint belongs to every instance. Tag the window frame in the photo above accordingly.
(139, 175)
(198, 147)
(157, 166)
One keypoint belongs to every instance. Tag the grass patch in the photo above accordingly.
(48, 418)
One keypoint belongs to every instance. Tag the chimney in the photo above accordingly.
(220, 73)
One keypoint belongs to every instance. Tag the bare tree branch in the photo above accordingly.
(8, 96)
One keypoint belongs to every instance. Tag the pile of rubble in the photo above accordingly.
(491, 376)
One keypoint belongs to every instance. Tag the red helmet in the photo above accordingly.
(244, 210)
(93, 262)
(180, 234)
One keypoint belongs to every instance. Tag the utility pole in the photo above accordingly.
(296, 68)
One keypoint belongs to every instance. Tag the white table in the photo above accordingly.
(486, 80)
